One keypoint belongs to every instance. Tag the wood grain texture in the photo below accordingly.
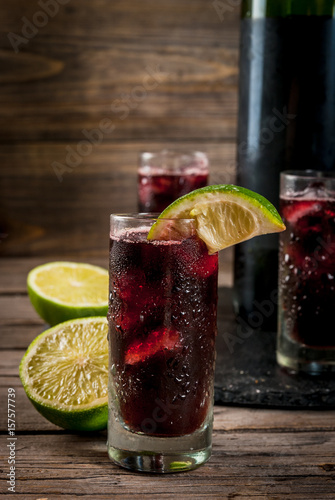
(42, 216)
(87, 64)
(257, 453)
(281, 467)
(14, 271)
(89, 56)
(226, 419)
(159, 73)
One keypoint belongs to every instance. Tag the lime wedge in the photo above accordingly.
(64, 373)
(60, 291)
(225, 215)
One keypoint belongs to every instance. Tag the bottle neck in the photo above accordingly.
(258, 9)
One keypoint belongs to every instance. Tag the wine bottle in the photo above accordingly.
(286, 121)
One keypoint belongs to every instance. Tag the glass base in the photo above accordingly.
(158, 462)
(146, 453)
(301, 358)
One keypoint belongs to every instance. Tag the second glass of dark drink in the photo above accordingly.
(166, 175)
(162, 329)
(306, 338)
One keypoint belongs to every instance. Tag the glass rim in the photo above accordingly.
(145, 216)
(147, 155)
(308, 174)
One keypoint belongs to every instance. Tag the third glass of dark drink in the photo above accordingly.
(162, 328)
(165, 176)
(306, 340)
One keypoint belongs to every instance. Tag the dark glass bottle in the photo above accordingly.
(286, 121)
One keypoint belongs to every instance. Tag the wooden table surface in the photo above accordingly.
(257, 453)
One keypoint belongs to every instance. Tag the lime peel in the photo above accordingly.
(64, 373)
(224, 214)
(60, 291)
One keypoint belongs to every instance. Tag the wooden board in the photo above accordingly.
(89, 57)
(257, 453)
(92, 55)
(39, 215)
(158, 73)
(52, 465)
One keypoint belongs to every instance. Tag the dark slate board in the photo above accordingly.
(247, 373)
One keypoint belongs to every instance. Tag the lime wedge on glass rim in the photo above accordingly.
(60, 291)
(225, 214)
(64, 373)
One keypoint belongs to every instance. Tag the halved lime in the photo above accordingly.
(60, 291)
(64, 373)
(225, 215)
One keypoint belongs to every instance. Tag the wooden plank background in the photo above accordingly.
(258, 454)
(95, 61)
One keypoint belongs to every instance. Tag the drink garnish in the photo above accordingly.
(225, 214)
(60, 291)
(64, 373)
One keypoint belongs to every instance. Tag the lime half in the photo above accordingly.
(225, 215)
(64, 374)
(60, 291)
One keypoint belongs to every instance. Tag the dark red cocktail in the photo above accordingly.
(162, 321)
(308, 269)
(165, 176)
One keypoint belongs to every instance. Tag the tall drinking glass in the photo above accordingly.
(162, 329)
(166, 175)
(306, 335)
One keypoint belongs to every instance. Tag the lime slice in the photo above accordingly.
(225, 215)
(60, 291)
(64, 373)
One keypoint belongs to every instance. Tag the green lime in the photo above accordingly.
(64, 373)
(60, 291)
(225, 215)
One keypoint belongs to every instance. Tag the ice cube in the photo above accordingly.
(195, 260)
(299, 209)
(163, 339)
(317, 190)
